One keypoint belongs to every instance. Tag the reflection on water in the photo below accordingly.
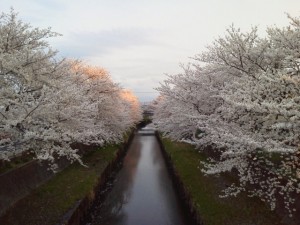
(142, 192)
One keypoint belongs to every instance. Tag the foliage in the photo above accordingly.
(204, 191)
(241, 96)
(48, 104)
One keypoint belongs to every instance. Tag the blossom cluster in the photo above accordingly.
(240, 99)
(47, 104)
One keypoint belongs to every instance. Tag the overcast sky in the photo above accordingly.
(139, 41)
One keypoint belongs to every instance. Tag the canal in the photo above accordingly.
(141, 193)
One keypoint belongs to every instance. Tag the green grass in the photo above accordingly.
(16, 162)
(48, 203)
(205, 191)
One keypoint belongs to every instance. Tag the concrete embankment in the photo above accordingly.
(80, 211)
(182, 192)
(68, 189)
(19, 182)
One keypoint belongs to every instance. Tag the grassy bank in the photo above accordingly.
(205, 191)
(15, 162)
(47, 204)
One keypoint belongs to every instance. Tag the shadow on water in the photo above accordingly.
(141, 193)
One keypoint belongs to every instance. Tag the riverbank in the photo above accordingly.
(50, 203)
(205, 190)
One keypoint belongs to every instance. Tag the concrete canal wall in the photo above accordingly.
(19, 182)
(182, 192)
(80, 211)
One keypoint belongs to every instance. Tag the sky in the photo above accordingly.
(140, 41)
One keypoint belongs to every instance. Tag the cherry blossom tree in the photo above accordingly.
(46, 104)
(132, 108)
(244, 102)
(27, 63)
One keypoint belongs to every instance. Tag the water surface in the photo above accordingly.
(142, 191)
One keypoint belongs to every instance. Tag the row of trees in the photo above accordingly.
(47, 104)
(241, 97)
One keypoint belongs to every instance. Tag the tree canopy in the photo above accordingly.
(241, 98)
(47, 104)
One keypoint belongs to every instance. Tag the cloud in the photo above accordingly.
(97, 43)
(139, 40)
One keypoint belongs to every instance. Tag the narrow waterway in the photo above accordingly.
(142, 191)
